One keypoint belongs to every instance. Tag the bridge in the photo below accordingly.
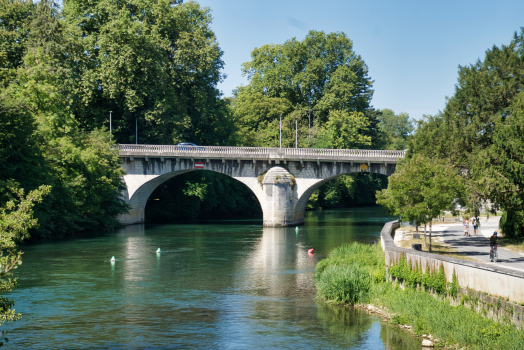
(282, 179)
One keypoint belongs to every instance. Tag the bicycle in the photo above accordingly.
(493, 255)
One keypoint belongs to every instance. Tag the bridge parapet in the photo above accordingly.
(259, 153)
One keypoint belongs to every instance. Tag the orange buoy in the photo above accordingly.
(310, 251)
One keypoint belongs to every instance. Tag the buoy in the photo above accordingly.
(158, 251)
(310, 251)
(296, 229)
(113, 259)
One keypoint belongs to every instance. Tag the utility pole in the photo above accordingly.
(110, 126)
(280, 130)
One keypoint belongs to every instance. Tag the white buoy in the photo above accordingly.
(158, 251)
(113, 259)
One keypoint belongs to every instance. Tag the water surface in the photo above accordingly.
(215, 285)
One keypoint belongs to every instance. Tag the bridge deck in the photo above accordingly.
(260, 153)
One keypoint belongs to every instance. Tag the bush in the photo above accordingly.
(347, 274)
(344, 284)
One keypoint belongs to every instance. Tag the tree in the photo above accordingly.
(420, 189)
(479, 120)
(153, 62)
(315, 79)
(396, 128)
(16, 218)
(15, 18)
(343, 131)
(502, 168)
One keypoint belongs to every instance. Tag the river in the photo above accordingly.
(215, 285)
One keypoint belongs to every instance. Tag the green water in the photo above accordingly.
(215, 285)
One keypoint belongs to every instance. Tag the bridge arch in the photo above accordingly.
(282, 182)
(141, 186)
(306, 194)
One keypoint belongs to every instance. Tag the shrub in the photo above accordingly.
(344, 284)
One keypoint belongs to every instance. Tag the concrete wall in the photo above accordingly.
(498, 282)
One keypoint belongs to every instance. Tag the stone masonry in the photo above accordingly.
(282, 186)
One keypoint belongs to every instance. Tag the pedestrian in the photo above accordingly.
(476, 225)
(466, 227)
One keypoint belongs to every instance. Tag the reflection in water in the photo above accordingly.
(213, 286)
(277, 265)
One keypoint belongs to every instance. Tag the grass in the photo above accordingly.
(515, 245)
(455, 324)
(347, 275)
(355, 274)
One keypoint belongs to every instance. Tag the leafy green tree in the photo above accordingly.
(155, 63)
(420, 189)
(318, 79)
(502, 168)
(15, 19)
(396, 129)
(342, 131)
(16, 218)
(476, 126)
(81, 167)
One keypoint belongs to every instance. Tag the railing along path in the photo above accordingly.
(201, 152)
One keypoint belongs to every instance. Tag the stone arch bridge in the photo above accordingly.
(282, 179)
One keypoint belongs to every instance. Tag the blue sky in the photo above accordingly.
(412, 48)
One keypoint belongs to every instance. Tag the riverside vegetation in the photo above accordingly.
(155, 65)
(355, 274)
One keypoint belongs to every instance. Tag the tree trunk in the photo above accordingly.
(430, 223)
(425, 243)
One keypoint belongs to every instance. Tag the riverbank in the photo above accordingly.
(355, 275)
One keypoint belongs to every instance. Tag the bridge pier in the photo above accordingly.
(280, 198)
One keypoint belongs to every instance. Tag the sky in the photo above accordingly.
(412, 48)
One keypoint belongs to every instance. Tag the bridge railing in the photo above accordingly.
(255, 152)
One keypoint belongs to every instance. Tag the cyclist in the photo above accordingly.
(493, 243)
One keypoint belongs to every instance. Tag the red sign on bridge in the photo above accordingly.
(199, 165)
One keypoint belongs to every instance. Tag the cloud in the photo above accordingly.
(295, 23)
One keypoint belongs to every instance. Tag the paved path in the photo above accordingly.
(477, 247)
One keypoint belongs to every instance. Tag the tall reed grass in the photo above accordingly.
(355, 273)
(347, 275)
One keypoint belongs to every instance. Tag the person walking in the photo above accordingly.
(466, 227)
(476, 225)
(492, 244)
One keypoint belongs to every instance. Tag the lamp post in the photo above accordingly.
(296, 133)
(136, 131)
(110, 126)
(280, 130)
(309, 127)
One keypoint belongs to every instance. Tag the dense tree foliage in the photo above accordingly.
(153, 63)
(202, 195)
(480, 133)
(16, 218)
(319, 82)
(395, 129)
(420, 189)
